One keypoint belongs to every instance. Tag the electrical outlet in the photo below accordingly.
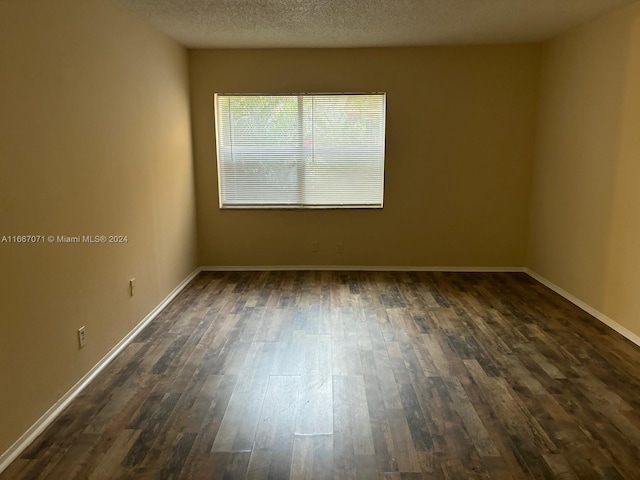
(132, 287)
(82, 338)
(339, 247)
(315, 246)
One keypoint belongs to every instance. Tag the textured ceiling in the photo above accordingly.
(364, 23)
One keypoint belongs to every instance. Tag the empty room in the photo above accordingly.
(319, 239)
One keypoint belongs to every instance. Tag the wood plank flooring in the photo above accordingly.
(356, 375)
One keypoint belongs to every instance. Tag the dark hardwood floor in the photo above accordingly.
(356, 375)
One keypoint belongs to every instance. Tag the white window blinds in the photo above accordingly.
(300, 151)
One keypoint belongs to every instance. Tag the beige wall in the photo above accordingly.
(94, 139)
(459, 142)
(585, 227)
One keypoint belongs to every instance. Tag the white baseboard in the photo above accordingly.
(50, 415)
(355, 268)
(625, 332)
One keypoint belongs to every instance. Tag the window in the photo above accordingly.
(300, 151)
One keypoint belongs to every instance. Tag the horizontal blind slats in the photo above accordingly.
(301, 150)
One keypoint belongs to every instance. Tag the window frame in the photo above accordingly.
(380, 149)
